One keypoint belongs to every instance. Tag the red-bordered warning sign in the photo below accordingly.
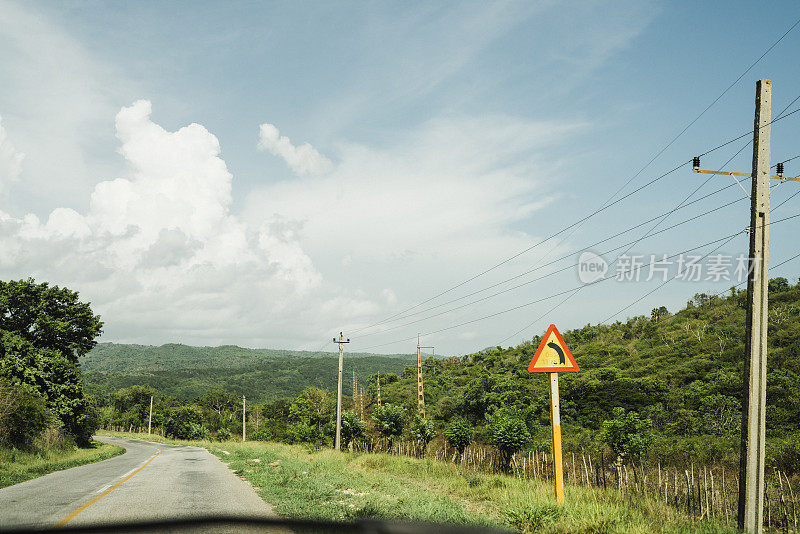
(553, 356)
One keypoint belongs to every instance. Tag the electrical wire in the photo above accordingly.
(580, 221)
(727, 237)
(629, 244)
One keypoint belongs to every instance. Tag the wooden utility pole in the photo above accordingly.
(420, 390)
(150, 419)
(341, 343)
(751, 459)
(244, 420)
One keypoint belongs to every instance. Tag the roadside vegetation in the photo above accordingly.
(18, 466)
(655, 410)
(307, 482)
(46, 421)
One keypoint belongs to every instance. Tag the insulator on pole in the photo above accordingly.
(780, 169)
(696, 162)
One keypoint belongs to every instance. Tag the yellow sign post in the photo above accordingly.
(554, 357)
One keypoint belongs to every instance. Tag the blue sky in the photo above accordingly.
(269, 174)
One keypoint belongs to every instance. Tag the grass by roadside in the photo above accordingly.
(324, 484)
(19, 466)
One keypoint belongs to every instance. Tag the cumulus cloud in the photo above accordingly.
(10, 160)
(303, 159)
(159, 249)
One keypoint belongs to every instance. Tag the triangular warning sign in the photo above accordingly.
(553, 356)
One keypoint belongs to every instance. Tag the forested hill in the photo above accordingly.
(187, 372)
(681, 370)
(127, 358)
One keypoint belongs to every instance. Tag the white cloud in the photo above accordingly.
(159, 253)
(59, 98)
(10, 160)
(303, 159)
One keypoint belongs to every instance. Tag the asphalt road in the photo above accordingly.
(150, 481)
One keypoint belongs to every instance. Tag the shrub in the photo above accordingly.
(626, 435)
(23, 416)
(389, 421)
(423, 431)
(509, 434)
(223, 434)
(459, 434)
(186, 422)
(352, 428)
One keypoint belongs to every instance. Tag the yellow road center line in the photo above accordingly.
(71, 516)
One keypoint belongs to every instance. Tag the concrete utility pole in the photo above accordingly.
(341, 343)
(244, 424)
(150, 419)
(420, 390)
(751, 459)
(379, 390)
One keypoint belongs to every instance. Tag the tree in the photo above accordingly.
(779, 285)
(628, 436)
(423, 431)
(352, 428)
(23, 416)
(308, 415)
(458, 434)
(509, 433)
(186, 422)
(44, 330)
(134, 401)
(389, 421)
(219, 400)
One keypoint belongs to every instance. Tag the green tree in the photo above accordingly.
(389, 421)
(44, 330)
(628, 436)
(352, 428)
(423, 431)
(220, 400)
(458, 434)
(509, 433)
(186, 422)
(23, 415)
(309, 414)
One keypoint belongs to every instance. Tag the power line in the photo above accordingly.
(630, 243)
(778, 117)
(540, 266)
(682, 204)
(571, 289)
(580, 221)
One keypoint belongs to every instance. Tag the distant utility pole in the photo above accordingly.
(420, 390)
(751, 459)
(244, 425)
(379, 390)
(341, 343)
(150, 419)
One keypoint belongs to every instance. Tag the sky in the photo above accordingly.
(270, 174)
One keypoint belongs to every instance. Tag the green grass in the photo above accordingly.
(19, 466)
(305, 483)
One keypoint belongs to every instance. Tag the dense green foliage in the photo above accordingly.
(352, 428)
(626, 435)
(43, 331)
(458, 434)
(23, 416)
(187, 373)
(389, 421)
(666, 386)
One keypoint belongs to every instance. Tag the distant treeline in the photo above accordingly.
(187, 373)
(668, 386)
